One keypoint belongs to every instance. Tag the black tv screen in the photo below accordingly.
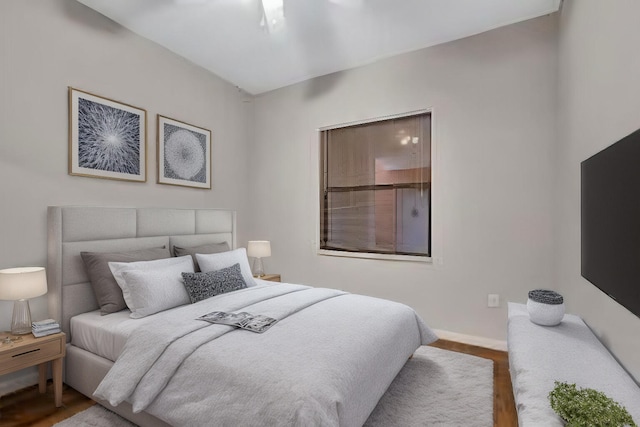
(610, 230)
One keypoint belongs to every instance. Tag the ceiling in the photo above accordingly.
(316, 37)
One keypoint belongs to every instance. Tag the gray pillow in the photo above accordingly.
(105, 287)
(206, 285)
(211, 248)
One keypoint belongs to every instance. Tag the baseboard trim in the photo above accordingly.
(472, 340)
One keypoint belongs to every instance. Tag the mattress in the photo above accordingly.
(103, 335)
(107, 335)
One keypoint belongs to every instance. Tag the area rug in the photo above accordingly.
(435, 388)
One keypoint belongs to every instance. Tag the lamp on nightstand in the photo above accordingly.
(258, 249)
(20, 284)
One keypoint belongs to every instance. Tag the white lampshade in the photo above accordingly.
(22, 283)
(259, 248)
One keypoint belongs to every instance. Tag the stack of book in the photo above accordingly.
(45, 327)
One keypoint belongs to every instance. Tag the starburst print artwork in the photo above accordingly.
(107, 138)
(184, 154)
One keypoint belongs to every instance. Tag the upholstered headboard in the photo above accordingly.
(74, 229)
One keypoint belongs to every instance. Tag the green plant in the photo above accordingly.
(586, 407)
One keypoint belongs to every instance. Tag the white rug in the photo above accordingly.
(435, 388)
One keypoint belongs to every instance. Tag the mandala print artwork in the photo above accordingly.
(107, 139)
(184, 154)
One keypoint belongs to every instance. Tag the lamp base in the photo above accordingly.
(21, 320)
(258, 270)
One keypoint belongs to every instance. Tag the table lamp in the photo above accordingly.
(20, 284)
(258, 249)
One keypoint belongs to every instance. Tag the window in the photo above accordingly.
(375, 187)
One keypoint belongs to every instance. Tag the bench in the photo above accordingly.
(568, 352)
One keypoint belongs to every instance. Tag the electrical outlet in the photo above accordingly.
(493, 300)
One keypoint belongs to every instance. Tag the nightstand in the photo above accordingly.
(31, 351)
(271, 277)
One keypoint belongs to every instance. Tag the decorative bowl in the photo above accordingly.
(545, 307)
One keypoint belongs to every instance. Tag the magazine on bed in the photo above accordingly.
(251, 322)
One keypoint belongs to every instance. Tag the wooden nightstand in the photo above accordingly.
(31, 351)
(271, 277)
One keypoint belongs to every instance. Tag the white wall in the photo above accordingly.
(599, 103)
(46, 46)
(494, 107)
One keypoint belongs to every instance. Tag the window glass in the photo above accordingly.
(375, 193)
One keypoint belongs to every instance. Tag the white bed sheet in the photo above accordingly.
(106, 335)
(103, 335)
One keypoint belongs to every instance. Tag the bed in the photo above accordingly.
(326, 361)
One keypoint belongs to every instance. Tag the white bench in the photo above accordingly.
(568, 352)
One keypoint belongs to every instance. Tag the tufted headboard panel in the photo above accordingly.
(74, 229)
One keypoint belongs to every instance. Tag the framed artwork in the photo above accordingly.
(107, 139)
(184, 154)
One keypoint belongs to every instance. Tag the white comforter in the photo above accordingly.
(327, 361)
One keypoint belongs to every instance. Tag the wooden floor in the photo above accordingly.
(29, 408)
(504, 407)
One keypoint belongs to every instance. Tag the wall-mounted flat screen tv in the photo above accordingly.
(610, 226)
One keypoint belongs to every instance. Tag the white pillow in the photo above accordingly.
(171, 268)
(155, 290)
(214, 262)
